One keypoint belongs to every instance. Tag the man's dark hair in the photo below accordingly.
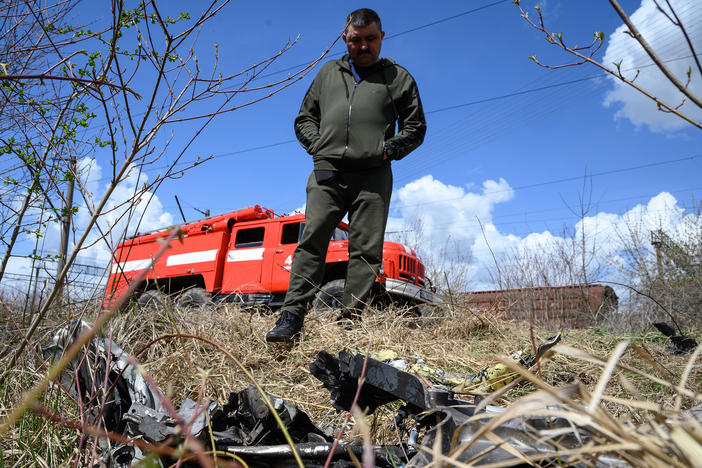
(361, 18)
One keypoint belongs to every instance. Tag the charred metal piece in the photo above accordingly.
(315, 454)
(156, 425)
(107, 383)
(529, 360)
(383, 384)
(539, 436)
(682, 344)
(247, 420)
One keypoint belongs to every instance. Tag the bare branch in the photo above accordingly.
(42, 77)
(556, 39)
(652, 53)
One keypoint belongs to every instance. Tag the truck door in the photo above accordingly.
(244, 262)
(289, 236)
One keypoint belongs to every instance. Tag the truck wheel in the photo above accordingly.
(194, 298)
(330, 295)
(150, 299)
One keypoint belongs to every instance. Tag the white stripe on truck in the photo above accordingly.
(131, 265)
(245, 255)
(192, 257)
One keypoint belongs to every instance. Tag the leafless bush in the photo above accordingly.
(664, 267)
(447, 264)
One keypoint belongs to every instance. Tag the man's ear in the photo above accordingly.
(382, 35)
(343, 37)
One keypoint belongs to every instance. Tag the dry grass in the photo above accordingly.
(458, 342)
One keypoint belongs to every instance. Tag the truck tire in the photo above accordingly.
(194, 298)
(330, 295)
(150, 299)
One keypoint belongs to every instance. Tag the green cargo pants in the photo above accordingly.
(365, 196)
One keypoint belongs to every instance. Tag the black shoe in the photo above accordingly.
(286, 328)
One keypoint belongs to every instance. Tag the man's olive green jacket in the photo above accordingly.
(346, 125)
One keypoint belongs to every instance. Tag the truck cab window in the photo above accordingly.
(340, 234)
(291, 233)
(249, 237)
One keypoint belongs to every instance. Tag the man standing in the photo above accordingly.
(347, 123)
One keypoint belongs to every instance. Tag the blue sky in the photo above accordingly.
(509, 143)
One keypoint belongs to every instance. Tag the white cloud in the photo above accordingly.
(448, 208)
(143, 213)
(441, 222)
(670, 44)
(444, 221)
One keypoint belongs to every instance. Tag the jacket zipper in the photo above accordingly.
(348, 119)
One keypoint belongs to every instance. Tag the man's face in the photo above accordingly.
(364, 44)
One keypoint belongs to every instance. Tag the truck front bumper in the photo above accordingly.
(412, 291)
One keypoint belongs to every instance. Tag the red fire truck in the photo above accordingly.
(245, 256)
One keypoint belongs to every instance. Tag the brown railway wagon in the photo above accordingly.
(571, 306)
